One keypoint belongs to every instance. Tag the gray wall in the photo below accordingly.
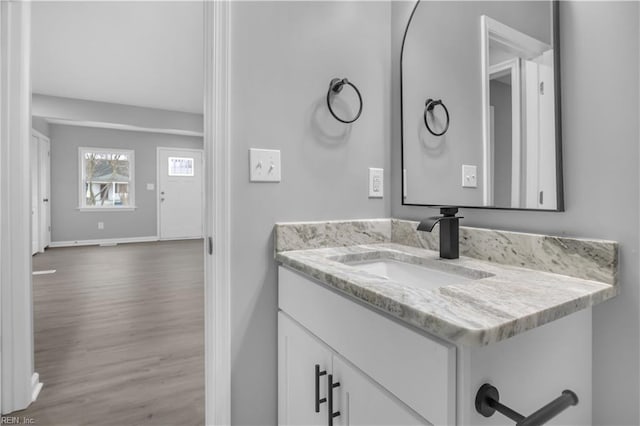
(41, 125)
(82, 110)
(283, 56)
(500, 99)
(67, 222)
(601, 162)
(442, 60)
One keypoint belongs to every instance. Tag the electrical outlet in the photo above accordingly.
(376, 183)
(469, 176)
(100, 225)
(264, 165)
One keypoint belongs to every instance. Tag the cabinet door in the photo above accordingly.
(298, 354)
(362, 402)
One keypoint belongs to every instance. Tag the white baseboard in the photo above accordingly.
(200, 237)
(105, 241)
(36, 386)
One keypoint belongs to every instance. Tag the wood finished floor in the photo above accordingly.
(119, 335)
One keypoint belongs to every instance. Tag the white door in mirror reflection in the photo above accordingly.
(519, 115)
(540, 134)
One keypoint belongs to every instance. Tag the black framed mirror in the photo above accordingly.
(480, 105)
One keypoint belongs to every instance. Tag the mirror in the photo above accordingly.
(480, 105)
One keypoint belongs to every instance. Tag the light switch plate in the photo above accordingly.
(151, 186)
(469, 176)
(264, 165)
(376, 183)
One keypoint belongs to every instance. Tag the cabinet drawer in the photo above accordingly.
(417, 369)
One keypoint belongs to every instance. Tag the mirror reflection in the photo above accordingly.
(479, 106)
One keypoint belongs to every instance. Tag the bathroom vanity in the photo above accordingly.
(375, 328)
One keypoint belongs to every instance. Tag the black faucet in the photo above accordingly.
(449, 226)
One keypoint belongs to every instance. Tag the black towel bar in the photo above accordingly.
(488, 402)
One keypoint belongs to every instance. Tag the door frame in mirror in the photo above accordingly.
(511, 67)
(560, 207)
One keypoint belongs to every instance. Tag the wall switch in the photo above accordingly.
(469, 176)
(151, 186)
(264, 165)
(100, 225)
(376, 183)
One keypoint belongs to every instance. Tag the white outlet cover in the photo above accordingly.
(469, 176)
(376, 183)
(151, 186)
(264, 165)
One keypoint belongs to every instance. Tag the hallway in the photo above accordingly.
(119, 335)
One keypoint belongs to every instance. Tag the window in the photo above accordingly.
(106, 178)
(180, 166)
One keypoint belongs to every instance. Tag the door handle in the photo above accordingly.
(330, 386)
(161, 199)
(45, 200)
(318, 400)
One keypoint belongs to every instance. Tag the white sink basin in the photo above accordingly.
(412, 275)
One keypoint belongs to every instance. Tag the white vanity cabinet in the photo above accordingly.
(355, 399)
(392, 374)
(299, 354)
(409, 371)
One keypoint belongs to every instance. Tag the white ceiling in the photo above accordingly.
(146, 54)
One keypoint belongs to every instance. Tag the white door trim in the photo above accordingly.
(159, 167)
(19, 383)
(513, 68)
(42, 216)
(44, 191)
(18, 386)
(218, 214)
(492, 30)
(487, 146)
(34, 172)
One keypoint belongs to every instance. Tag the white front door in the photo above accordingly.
(35, 193)
(45, 193)
(180, 193)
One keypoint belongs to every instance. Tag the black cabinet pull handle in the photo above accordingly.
(330, 387)
(318, 400)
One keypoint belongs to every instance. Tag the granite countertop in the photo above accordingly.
(492, 302)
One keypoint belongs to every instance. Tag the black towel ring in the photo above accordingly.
(336, 87)
(429, 107)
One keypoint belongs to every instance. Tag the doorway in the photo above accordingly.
(119, 319)
(20, 388)
(40, 190)
(180, 193)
